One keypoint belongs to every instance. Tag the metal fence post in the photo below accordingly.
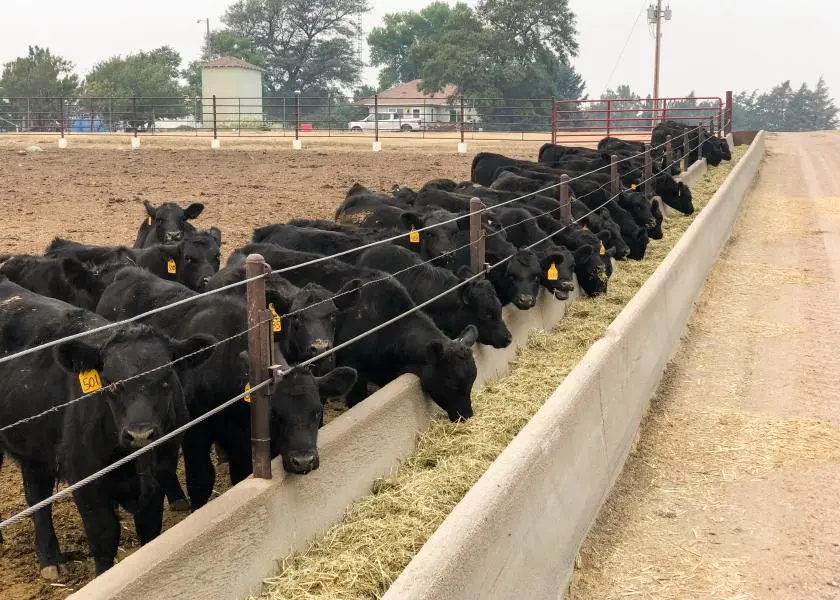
(462, 118)
(565, 202)
(669, 153)
(215, 121)
(376, 117)
(685, 150)
(297, 114)
(711, 126)
(134, 112)
(259, 355)
(28, 114)
(239, 116)
(476, 236)
(648, 171)
(614, 182)
(61, 115)
(329, 115)
(727, 120)
(609, 116)
(553, 121)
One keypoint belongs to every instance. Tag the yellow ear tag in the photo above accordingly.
(170, 266)
(633, 186)
(90, 382)
(150, 220)
(276, 325)
(585, 228)
(552, 273)
(247, 397)
(603, 250)
(414, 236)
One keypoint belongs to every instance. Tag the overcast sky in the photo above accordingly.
(709, 46)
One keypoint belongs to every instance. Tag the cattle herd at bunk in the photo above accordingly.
(177, 364)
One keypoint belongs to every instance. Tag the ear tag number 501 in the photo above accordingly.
(90, 381)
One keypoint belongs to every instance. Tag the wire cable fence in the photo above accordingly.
(262, 322)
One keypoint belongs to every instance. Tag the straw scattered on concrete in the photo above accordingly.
(360, 557)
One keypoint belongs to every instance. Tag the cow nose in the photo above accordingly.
(567, 286)
(173, 236)
(140, 435)
(302, 462)
(527, 300)
(203, 282)
(319, 346)
(652, 223)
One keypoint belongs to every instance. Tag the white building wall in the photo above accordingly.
(238, 95)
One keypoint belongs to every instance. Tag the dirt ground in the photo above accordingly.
(732, 492)
(93, 193)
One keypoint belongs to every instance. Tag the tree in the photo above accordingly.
(783, 109)
(150, 77)
(533, 26)
(33, 85)
(303, 45)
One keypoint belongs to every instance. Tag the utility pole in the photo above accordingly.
(655, 16)
(207, 22)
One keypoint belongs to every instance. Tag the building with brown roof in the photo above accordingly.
(407, 100)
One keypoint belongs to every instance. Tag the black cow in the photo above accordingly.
(295, 401)
(64, 279)
(312, 239)
(474, 303)
(191, 262)
(140, 400)
(368, 210)
(166, 223)
(413, 344)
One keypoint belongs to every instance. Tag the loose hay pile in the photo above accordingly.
(360, 557)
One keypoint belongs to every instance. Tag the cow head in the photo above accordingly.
(197, 258)
(437, 242)
(674, 193)
(560, 262)
(589, 266)
(310, 328)
(142, 397)
(637, 241)
(725, 151)
(479, 299)
(297, 411)
(518, 279)
(638, 206)
(169, 222)
(613, 240)
(712, 151)
(449, 374)
(655, 232)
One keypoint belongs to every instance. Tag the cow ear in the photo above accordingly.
(348, 295)
(337, 382)
(244, 363)
(77, 356)
(193, 351)
(464, 272)
(469, 336)
(150, 210)
(604, 235)
(411, 219)
(216, 234)
(276, 298)
(435, 351)
(193, 210)
(77, 274)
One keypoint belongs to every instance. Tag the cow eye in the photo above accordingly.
(188, 260)
(164, 385)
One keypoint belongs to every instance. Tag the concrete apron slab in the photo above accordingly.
(225, 549)
(515, 534)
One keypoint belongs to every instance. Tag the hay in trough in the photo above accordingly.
(361, 556)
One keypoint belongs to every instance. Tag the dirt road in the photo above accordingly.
(733, 491)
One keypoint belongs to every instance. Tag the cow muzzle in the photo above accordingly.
(525, 301)
(301, 462)
(173, 236)
(139, 435)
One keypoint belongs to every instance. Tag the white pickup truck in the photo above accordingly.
(387, 122)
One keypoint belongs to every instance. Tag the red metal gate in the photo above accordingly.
(588, 121)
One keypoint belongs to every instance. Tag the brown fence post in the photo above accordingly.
(463, 124)
(711, 126)
(259, 356)
(648, 171)
(297, 114)
(553, 121)
(476, 236)
(614, 187)
(669, 152)
(215, 120)
(609, 116)
(134, 112)
(727, 119)
(61, 115)
(686, 150)
(565, 201)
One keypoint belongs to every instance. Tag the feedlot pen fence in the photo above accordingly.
(457, 117)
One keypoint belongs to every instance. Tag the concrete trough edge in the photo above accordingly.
(516, 533)
(257, 522)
